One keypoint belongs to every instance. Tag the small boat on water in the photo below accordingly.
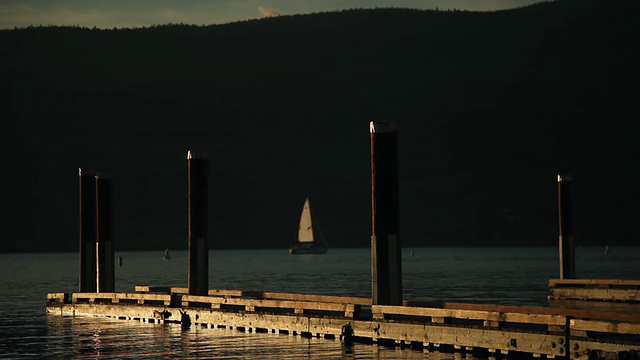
(310, 239)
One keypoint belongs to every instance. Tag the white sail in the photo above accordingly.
(305, 231)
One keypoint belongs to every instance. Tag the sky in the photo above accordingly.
(138, 13)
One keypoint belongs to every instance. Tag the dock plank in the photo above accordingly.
(548, 319)
(606, 326)
(260, 295)
(586, 282)
(116, 297)
(253, 304)
(602, 294)
(628, 314)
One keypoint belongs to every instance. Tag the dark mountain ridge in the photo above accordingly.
(491, 106)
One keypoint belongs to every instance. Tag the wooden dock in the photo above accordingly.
(485, 330)
(588, 319)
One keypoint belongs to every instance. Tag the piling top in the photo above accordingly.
(86, 172)
(380, 127)
(562, 178)
(104, 176)
(195, 155)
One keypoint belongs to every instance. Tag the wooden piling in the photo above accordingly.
(104, 228)
(386, 250)
(198, 278)
(87, 234)
(566, 244)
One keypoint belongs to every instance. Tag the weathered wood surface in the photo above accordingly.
(592, 282)
(594, 294)
(610, 290)
(586, 313)
(466, 337)
(92, 297)
(491, 316)
(376, 331)
(589, 350)
(260, 295)
(297, 307)
(309, 297)
(600, 339)
(552, 332)
(161, 289)
(605, 326)
(620, 307)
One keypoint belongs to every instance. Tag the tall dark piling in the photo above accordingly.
(566, 244)
(87, 220)
(198, 169)
(386, 249)
(104, 229)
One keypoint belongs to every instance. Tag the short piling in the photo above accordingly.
(198, 278)
(87, 234)
(105, 280)
(566, 244)
(386, 249)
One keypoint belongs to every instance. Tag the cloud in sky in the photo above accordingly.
(267, 12)
(127, 13)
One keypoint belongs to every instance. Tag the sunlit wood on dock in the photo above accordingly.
(614, 290)
(489, 329)
(115, 298)
(259, 294)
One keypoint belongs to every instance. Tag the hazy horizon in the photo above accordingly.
(126, 14)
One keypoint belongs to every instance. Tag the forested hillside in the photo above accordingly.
(490, 107)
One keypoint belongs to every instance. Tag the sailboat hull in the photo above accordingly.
(307, 248)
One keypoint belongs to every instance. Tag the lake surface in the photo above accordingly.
(517, 276)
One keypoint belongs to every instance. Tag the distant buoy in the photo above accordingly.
(166, 255)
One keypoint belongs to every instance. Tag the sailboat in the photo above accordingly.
(310, 241)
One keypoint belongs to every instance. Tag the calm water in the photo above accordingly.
(480, 275)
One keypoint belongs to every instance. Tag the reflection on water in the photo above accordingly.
(105, 338)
